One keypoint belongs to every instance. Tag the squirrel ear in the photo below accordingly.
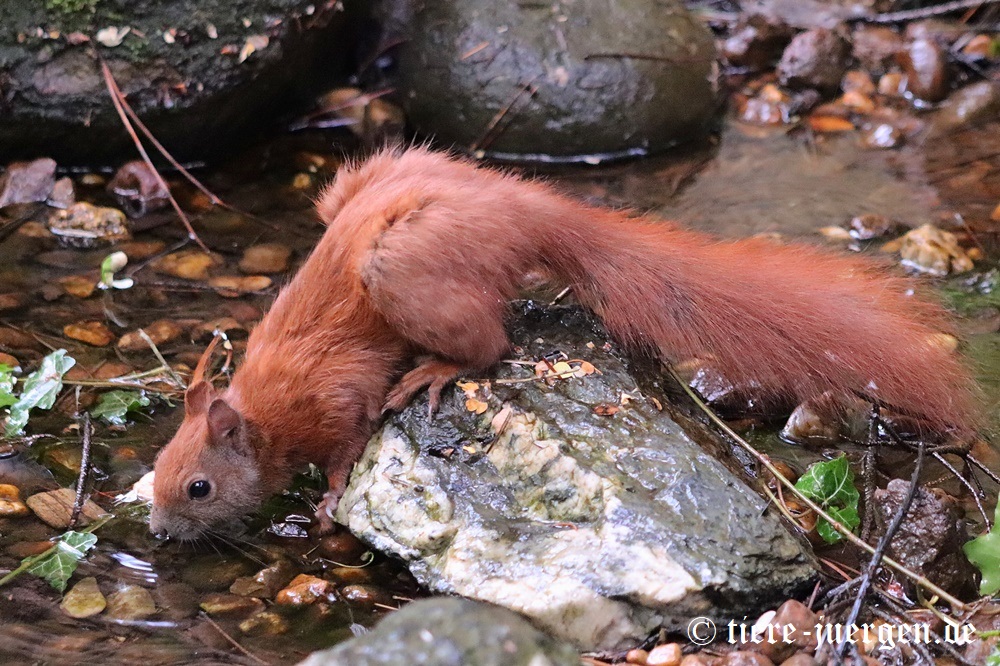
(224, 422)
(197, 397)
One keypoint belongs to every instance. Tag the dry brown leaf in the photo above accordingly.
(475, 405)
(605, 409)
(91, 332)
(468, 388)
(80, 286)
(829, 124)
(55, 508)
(232, 285)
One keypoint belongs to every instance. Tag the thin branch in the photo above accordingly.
(117, 98)
(880, 548)
(87, 431)
(923, 12)
(232, 641)
(922, 581)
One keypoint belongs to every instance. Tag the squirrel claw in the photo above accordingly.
(432, 373)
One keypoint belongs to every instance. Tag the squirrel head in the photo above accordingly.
(208, 475)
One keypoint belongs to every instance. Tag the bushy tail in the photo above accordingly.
(792, 319)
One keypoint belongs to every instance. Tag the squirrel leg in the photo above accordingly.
(445, 307)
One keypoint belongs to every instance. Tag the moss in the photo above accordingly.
(71, 7)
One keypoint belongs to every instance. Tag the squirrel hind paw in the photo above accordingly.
(434, 374)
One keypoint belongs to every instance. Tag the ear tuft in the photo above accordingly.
(224, 422)
(197, 397)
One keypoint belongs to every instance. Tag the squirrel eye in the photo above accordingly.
(199, 489)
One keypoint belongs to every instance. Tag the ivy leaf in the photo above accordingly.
(40, 390)
(984, 552)
(59, 564)
(7, 397)
(114, 405)
(831, 485)
(994, 658)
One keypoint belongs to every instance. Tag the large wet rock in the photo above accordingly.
(608, 79)
(449, 632)
(201, 73)
(590, 511)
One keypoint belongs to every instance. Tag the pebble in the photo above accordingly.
(266, 583)
(233, 329)
(141, 249)
(871, 225)
(875, 47)
(131, 602)
(882, 136)
(791, 613)
(266, 258)
(138, 189)
(80, 286)
(9, 361)
(969, 105)
(926, 67)
(800, 659)
(84, 225)
(815, 58)
(63, 194)
(84, 599)
(27, 182)
(11, 505)
(745, 658)
(303, 590)
(230, 605)
(266, 623)
(668, 654)
(342, 547)
(160, 332)
(93, 333)
(232, 286)
(187, 264)
(637, 656)
(55, 508)
(892, 84)
(66, 459)
(932, 250)
(756, 42)
(365, 595)
(13, 301)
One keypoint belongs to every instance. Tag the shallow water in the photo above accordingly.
(748, 181)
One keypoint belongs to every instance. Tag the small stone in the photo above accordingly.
(792, 613)
(231, 605)
(137, 250)
(66, 459)
(815, 58)
(972, 104)
(63, 194)
(187, 264)
(233, 329)
(131, 602)
(84, 225)
(696, 659)
(91, 332)
(11, 505)
(79, 286)
(84, 599)
(756, 42)
(800, 659)
(926, 67)
(232, 286)
(266, 583)
(27, 182)
(342, 547)
(745, 658)
(9, 361)
(364, 595)
(871, 225)
(892, 84)
(836, 233)
(637, 656)
(875, 47)
(882, 136)
(267, 623)
(829, 124)
(23, 549)
(668, 654)
(138, 189)
(160, 332)
(266, 258)
(350, 575)
(932, 250)
(34, 230)
(55, 508)
(857, 80)
(303, 590)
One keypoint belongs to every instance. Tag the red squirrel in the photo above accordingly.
(409, 287)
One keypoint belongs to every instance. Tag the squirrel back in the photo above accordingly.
(423, 253)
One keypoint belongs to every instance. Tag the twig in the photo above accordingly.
(159, 357)
(868, 471)
(883, 543)
(968, 486)
(117, 98)
(232, 641)
(561, 295)
(488, 136)
(924, 12)
(87, 431)
(922, 581)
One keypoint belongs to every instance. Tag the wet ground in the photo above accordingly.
(748, 181)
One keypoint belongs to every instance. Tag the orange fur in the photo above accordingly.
(423, 253)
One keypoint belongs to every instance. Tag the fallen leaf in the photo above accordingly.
(55, 508)
(187, 264)
(232, 285)
(160, 332)
(79, 286)
(58, 566)
(829, 124)
(91, 332)
(475, 405)
(468, 388)
(606, 409)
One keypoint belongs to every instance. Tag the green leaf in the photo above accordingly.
(831, 485)
(41, 388)
(114, 405)
(58, 566)
(994, 658)
(7, 380)
(984, 552)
